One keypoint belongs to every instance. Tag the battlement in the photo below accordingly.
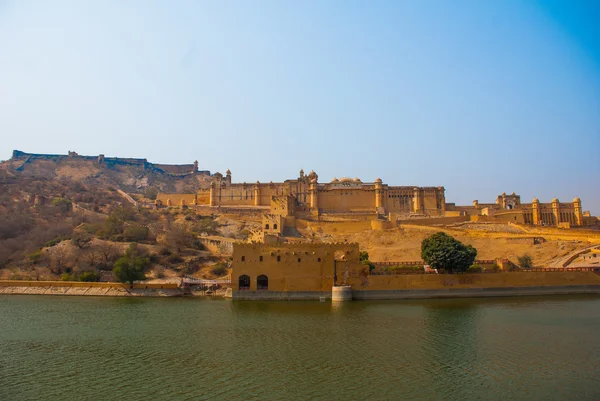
(299, 247)
(170, 169)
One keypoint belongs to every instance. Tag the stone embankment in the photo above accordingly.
(88, 289)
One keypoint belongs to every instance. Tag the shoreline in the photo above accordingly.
(173, 290)
(77, 288)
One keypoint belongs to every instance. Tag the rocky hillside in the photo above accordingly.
(73, 218)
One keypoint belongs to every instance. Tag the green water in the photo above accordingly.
(77, 348)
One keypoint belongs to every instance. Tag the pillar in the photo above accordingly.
(578, 211)
(535, 209)
(378, 193)
(416, 200)
(314, 194)
(257, 194)
(442, 194)
(213, 195)
(556, 210)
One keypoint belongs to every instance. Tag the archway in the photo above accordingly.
(262, 282)
(244, 282)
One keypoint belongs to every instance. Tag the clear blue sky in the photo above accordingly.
(478, 96)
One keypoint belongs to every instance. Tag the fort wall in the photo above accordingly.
(171, 169)
(433, 220)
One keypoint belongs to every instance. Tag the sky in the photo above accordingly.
(479, 96)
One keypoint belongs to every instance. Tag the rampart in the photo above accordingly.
(170, 169)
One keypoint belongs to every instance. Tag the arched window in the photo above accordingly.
(319, 259)
(266, 226)
(260, 258)
(274, 226)
(262, 282)
(243, 258)
(244, 282)
(278, 258)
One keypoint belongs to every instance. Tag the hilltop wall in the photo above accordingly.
(170, 169)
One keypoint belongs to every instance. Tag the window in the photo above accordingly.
(243, 258)
(262, 282)
(319, 259)
(260, 258)
(299, 260)
(274, 226)
(244, 282)
(278, 258)
(266, 226)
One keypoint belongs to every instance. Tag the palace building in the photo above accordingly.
(344, 195)
(351, 198)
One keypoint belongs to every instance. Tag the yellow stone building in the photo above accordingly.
(351, 198)
(510, 209)
(344, 195)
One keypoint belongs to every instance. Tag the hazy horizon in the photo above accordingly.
(480, 97)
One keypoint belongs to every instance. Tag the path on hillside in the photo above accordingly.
(126, 196)
(568, 258)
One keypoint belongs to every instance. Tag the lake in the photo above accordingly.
(77, 348)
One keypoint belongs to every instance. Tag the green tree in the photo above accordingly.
(441, 251)
(364, 259)
(130, 267)
(525, 261)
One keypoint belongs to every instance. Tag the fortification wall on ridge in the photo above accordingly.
(171, 169)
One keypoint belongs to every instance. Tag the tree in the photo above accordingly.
(81, 239)
(525, 261)
(135, 232)
(179, 237)
(442, 251)
(130, 267)
(364, 259)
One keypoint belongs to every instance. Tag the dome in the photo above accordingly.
(535, 200)
(356, 179)
(345, 179)
(228, 172)
(576, 200)
(313, 181)
(378, 179)
(334, 180)
(555, 200)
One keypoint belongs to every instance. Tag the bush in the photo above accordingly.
(81, 239)
(364, 259)
(174, 259)
(62, 204)
(525, 261)
(89, 276)
(442, 251)
(476, 268)
(164, 251)
(135, 232)
(35, 256)
(151, 193)
(66, 277)
(130, 267)
(206, 226)
(57, 241)
(159, 272)
(219, 269)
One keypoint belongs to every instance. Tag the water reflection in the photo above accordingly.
(529, 348)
